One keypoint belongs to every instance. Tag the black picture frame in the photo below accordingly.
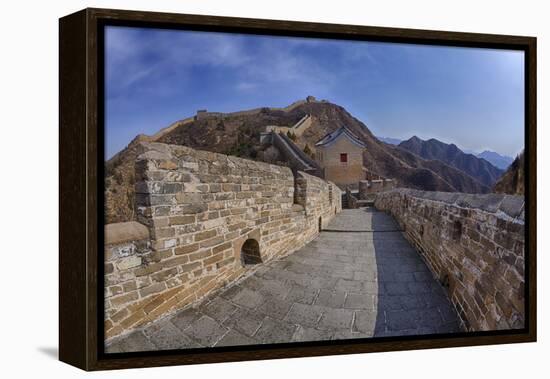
(81, 187)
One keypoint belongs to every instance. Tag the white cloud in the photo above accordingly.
(133, 55)
(165, 59)
(246, 86)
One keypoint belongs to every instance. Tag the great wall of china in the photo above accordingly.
(205, 220)
(474, 244)
(300, 127)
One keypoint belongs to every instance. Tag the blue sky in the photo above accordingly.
(470, 97)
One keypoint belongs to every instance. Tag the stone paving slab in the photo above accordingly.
(362, 220)
(360, 283)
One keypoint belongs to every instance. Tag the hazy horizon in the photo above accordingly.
(471, 97)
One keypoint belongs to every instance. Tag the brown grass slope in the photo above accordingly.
(239, 135)
(513, 180)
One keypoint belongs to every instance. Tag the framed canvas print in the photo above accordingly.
(238, 189)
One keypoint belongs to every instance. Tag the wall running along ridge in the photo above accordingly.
(196, 209)
(297, 129)
(474, 244)
(206, 114)
(297, 159)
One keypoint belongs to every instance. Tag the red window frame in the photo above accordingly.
(343, 157)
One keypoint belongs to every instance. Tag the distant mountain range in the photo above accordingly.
(432, 149)
(239, 134)
(391, 141)
(499, 161)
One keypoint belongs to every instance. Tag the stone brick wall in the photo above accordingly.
(127, 249)
(203, 113)
(301, 126)
(474, 244)
(199, 209)
(351, 200)
(367, 188)
(321, 199)
(296, 158)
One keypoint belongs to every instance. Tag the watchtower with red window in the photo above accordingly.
(340, 155)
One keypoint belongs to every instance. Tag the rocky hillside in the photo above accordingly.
(238, 134)
(478, 168)
(513, 180)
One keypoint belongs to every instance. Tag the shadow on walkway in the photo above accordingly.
(410, 300)
(359, 278)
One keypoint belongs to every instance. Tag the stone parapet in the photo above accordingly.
(350, 199)
(473, 244)
(321, 199)
(201, 209)
(124, 232)
(369, 187)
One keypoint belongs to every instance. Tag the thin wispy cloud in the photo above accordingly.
(471, 97)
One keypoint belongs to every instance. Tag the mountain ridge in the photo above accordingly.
(238, 134)
(433, 149)
(498, 160)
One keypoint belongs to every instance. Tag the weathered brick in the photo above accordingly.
(164, 233)
(115, 290)
(186, 249)
(133, 319)
(108, 324)
(146, 270)
(167, 165)
(193, 208)
(118, 316)
(128, 262)
(227, 187)
(222, 247)
(164, 274)
(169, 188)
(200, 255)
(225, 196)
(155, 303)
(212, 241)
(153, 288)
(189, 198)
(124, 299)
(182, 220)
(129, 286)
(109, 268)
(225, 262)
(189, 267)
(157, 256)
(176, 261)
(236, 226)
(205, 235)
(215, 258)
(215, 187)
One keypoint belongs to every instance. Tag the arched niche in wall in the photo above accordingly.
(250, 252)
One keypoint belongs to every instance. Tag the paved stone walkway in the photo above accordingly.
(359, 278)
